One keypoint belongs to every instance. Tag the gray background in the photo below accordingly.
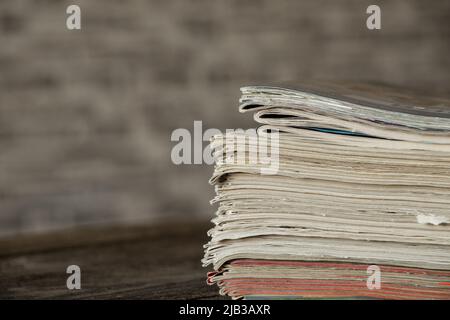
(86, 116)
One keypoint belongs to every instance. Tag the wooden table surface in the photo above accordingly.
(134, 262)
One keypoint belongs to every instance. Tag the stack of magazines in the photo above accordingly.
(342, 192)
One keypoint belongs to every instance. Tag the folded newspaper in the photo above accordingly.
(342, 192)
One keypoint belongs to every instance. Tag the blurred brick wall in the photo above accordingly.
(86, 116)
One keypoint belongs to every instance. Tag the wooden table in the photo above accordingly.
(134, 262)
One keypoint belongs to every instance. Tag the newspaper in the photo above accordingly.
(362, 176)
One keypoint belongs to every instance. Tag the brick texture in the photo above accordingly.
(86, 116)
